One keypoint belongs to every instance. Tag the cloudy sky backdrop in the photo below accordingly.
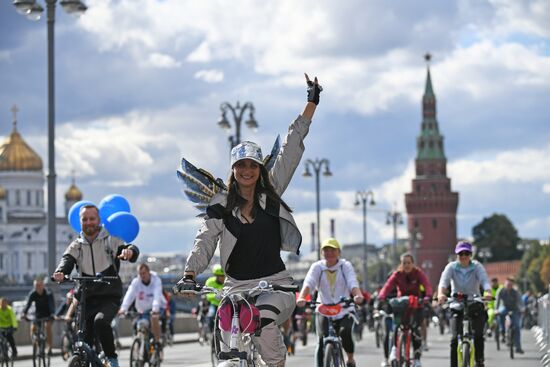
(139, 84)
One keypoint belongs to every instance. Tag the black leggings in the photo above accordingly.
(343, 328)
(99, 314)
(477, 317)
(9, 337)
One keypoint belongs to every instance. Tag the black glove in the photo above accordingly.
(313, 90)
(185, 284)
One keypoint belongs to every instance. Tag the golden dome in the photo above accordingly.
(2, 193)
(73, 193)
(16, 155)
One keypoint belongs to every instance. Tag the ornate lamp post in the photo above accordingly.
(237, 112)
(484, 253)
(362, 197)
(33, 11)
(317, 165)
(394, 218)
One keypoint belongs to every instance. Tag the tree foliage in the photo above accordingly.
(545, 270)
(499, 235)
(535, 266)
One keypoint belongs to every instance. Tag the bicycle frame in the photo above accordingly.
(465, 336)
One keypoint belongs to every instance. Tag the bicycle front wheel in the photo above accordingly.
(466, 355)
(510, 341)
(6, 355)
(136, 355)
(331, 356)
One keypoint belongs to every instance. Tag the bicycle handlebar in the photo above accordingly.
(263, 286)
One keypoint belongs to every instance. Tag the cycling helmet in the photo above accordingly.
(217, 270)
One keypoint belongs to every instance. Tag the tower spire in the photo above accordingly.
(14, 111)
(429, 91)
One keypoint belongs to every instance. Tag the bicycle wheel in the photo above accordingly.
(78, 360)
(497, 336)
(377, 335)
(331, 356)
(510, 341)
(136, 355)
(6, 354)
(214, 347)
(303, 331)
(404, 355)
(466, 355)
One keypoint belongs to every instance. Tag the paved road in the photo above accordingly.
(192, 354)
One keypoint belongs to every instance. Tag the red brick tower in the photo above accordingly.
(431, 206)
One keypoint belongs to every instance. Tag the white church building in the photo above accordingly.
(23, 228)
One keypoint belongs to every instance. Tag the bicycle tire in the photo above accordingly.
(136, 358)
(77, 360)
(497, 336)
(6, 354)
(303, 327)
(214, 351)
(331, 359)
(510, 340)
(377, 334)
(466, 355)
(404, 355)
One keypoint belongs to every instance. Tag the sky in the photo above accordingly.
(139, 85)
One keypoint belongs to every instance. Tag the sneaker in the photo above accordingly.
(425, 347)
(350, 364)
(489, 333)
(393, 353)
(384, 363)
(113, 362)
(519, 351)
(417, 363)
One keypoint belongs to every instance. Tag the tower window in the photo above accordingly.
(416, 223)
(417, 188)
(434, 223)
(434, 188)
(451, 223)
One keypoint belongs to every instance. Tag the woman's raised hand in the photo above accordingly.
(313, 90)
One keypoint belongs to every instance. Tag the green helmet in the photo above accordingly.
(218, 270)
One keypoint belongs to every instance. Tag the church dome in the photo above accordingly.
(73, 193)
(17, 155)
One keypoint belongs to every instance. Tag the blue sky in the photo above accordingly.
(139, 84)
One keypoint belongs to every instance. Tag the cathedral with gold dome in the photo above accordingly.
(23, 228)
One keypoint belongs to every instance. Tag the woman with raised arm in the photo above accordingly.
(252, 224)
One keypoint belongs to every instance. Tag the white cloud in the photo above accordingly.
(210, 75)
(522, 165)
(163, 61)
(546, 188)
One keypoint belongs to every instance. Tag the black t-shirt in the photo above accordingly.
(44, 303)
(257, 252)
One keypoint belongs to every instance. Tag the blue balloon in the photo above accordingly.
(112, 204)
(74, 214)
(123, 225)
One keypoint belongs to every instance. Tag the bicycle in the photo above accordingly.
(403, 310)
(6, 353)
(144, 348)
(40, 358)
(509, 332)
(461, 303)
(332, 344)
(83, 354)
(67, 339)
(243, 323)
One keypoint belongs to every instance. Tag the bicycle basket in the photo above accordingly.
(329, 310)
(399, 305)
(249, 317)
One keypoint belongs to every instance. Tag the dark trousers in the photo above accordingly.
(9, 337)
(342, 327)
(477, 318)
(99, 314)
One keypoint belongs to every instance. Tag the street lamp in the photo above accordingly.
(237, 112)
(394, 218)
(414, 238)
(317, 164)
(32, 10)
(362, 197)
(484, 253)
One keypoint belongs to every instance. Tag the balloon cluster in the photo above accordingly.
(114, 213)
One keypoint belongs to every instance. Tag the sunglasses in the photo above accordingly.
(464, 253)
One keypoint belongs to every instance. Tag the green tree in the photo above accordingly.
(499, 234)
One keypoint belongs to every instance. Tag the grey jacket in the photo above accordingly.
(216, 231)
(465, 280)
(509, 298)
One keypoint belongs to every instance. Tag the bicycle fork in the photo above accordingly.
(462, 342)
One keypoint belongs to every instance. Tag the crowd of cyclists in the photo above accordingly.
(249, 224)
